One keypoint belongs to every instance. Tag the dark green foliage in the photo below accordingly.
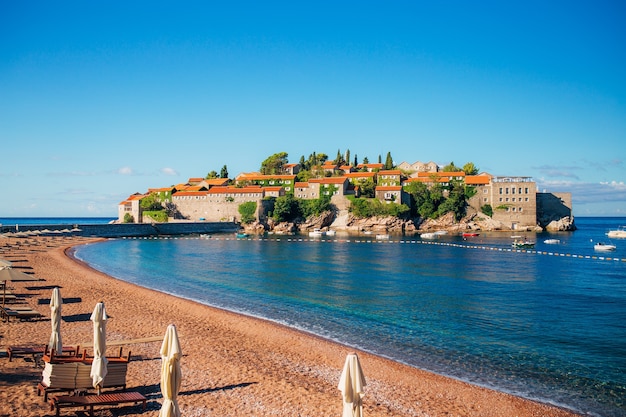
(366, 207)
(159, 216)
(274, 164)
(128, 218)
(487, 209)
(315, 207)
(389, 161)
(224, 172)
(247, 211)
(151, 202)
(286, 208)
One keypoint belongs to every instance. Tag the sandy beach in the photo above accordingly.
(232, 365)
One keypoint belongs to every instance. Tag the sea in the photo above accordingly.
(547, 323)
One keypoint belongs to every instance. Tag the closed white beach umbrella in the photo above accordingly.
(99, 365)
(55, 318)
(351, 385)
(171, 374)
(4, 263)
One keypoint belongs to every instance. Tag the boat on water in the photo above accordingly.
(242, 235)
(316, 233)
(620, 232)
(429, 235)
(205, 236)
(523, 244)
(441, 232)
(604, 247)
(382, 237)
(471, 234)
(552, 241)
(330, 233)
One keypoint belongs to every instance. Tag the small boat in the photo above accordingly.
(620, 232)
(604, 247)
(205, 236)
(470, 234)
(523, 244)
(367, 232)
(316, 233)
(552, 241)
(429, 235)
(242, 235)
(441, 232)
(330, 233)
(382, 237)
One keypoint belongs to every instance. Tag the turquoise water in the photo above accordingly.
(548, 324)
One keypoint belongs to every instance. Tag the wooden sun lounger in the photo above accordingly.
(22, 313)
(90, 401)
(36, 350)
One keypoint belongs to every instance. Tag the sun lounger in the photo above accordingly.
(21, 313)
(72, 373)
(36, 350)
(91, 401)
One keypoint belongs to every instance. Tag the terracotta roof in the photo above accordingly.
(428, 179)
(359, 174)
(477, 179)
(253, 177)
(329, 180)
(371, 165)
(301, 185)
(390, 172)
(195, 180)
(216, 181)
(389, 188)
(189, 193)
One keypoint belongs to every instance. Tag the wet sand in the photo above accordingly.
(232, 365)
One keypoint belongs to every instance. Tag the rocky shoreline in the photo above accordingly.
(342, 220)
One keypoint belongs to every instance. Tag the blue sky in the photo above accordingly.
(102, 100)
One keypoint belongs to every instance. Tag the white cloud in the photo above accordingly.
(125, 171)
(169, 171)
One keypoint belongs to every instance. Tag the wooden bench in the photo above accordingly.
(90, 401)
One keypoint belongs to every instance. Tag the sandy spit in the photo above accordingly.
(233, 365)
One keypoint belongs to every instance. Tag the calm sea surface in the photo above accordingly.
(547, 324)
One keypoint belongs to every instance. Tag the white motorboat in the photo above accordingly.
(604, 247)
(620, 232)
(429, 235)
(552, 241)
(382, 237)
(330, 232)
(316, 233)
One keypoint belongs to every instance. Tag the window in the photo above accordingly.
(506, 190)
(526, 190)
(520, 209)
(513, 190)
(520, 190)
(500, 190)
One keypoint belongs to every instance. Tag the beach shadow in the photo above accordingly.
(69, 300)
(41, 287)
(77, 317)
(224, 388)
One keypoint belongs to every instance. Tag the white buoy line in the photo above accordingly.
(382, 242)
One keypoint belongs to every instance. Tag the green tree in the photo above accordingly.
(273, 165)
(128, 218)
(247, 211)
(366, 187)
(151, 202)
(389, 161)
(470, 169)
(224, 172)
(356, 160)
(347, 158)
(286, 208)
(366, 161)
(211, 175)
(451, 168)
